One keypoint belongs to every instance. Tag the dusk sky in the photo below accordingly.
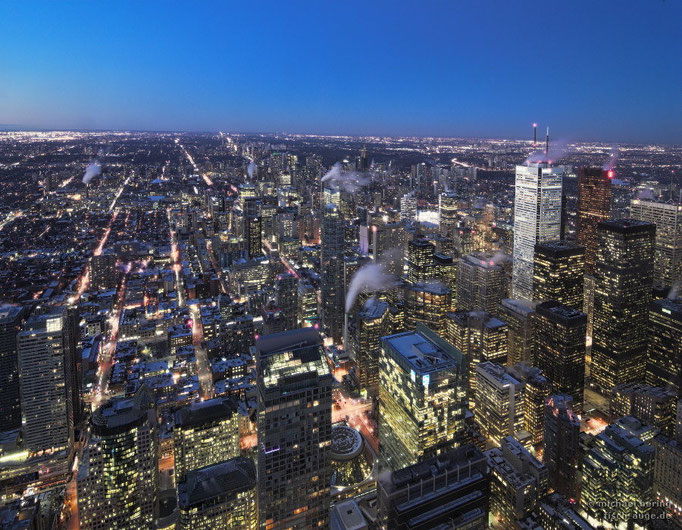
(607, 70)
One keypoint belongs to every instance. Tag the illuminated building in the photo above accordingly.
(558, 273)
(447, 213)
(451, 490)
(427, 303)
(103, 270)
(652, 405)
(667, 216)
(619, 467)
(561, 445)
(480, 282)
(537, 218)
(667, 487)
(11, 320)
(420, 260)
(480, 337)
(118, 477)
(623, 280)
(352, 463)
(331, 266)
(536, 390)
(445, 270)
(664, 356)
(286, 291)
(421, 397)
(253, 236)
(560, 342)
(408, 207)
(307, 303)
(517, 481)
(588, 305)
(371, 323)
(380, 237)
(294, 430)
(518, 315)
(594, 206)
(221, 496)
(500, 402)
(205, 433)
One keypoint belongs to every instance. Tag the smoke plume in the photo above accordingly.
(91, 171)
(369, 278)
(613, 158)
(349, 181)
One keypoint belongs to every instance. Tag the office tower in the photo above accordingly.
(445, 270)
(558, 273)
(370, 324)
(420, 260)
(650, 404)
(500, 402)
(447, 213)
(447, 491)
(556, 512)
(518, 315)
(560, 349)
(384, 240)
(561, 445)
(43, 375)
(118, 476)
(594, 206)
(294, 429)
(480, 337)
(664, 355)
(103, 270)
(667, 216)
(205, 433)
(71, 335)
(253, 236)
(221, 496)
(588, 305)
(307, 303)
(623, 279)
(427, 303)
(331, 265)
(11, 320)
(619, 467)
(408, 207)
(517, 481)
(421, 397)
(480, 282)
(286, 292)
(536, 391)
(537, 218)
(667, 488)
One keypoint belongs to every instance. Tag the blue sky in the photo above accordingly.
(606, 69)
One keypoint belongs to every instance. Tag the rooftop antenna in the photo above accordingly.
(535, 134)
(547, 142)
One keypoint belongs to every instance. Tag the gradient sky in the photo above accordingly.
(597, 69)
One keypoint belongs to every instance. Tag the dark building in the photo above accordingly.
(664, 356)
(252, 232)
(449, 491)
(594, 206)
(561, 445)
(11, 320)
(331, 268)
(103, 270)
(622, 296)
(558, 273)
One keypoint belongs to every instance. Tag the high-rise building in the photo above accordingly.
(517, 481)
(253, 235)
(594, 206)
(380, 238)
(480, 337)
(561, 445)
(331, 265)
(558, 273)
(518, 315)
(560, 349)
(537, 218)
(307, 303)
(623, 281)
(447, 213)
(667, 216)
(664, 355)
(447, 491)
(286, 292)
(619, 467)
(370, 324)
(427, 303)
(667, 488)
(408, 207)
(420, 265)
(205, 433)
(294, 430)
(11, 320)
(221, 496)
(480, 283)
(103, 270)
(118, 476)
(650, 404)
(500, 402)
(536, 392)
(421, 397)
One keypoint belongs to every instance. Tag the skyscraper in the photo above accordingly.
(536, 392)
(370, 324)
(558, 273)
(118, 476)
(427, 303)
(664, 355)
(594, 206)
(294, 430)
(447, 213)
(420, 265)
(331, 264)
(11, 320)
(253, 236)
(103, 270)
(480, 283)
(421, 397)
(518, 315)
(500, 402)
(537, 218)
(667, 216)
(560, 349)
(286, 291)
(561, 445)
(623, 280)
(650, 404)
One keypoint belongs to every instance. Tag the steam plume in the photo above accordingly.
(250, 170)
(557, 150)
(613, 158)
(371, 277)
(675, 291)
(91, 171)
(349, 181)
